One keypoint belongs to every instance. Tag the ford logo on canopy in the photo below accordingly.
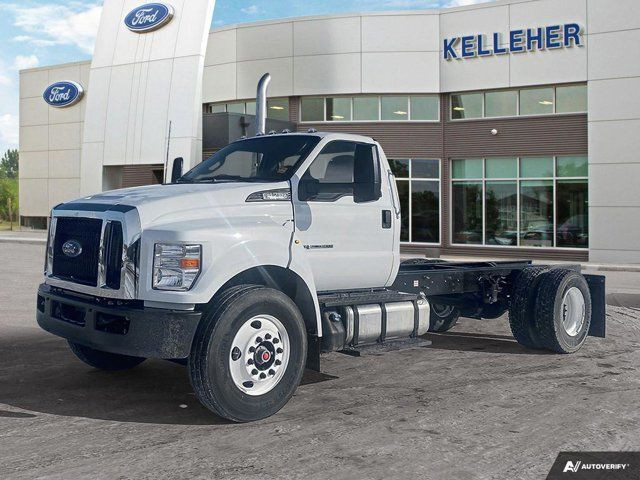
(149, 17)
(63, 94)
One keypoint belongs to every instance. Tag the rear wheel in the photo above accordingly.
(443, 317)
(248, 354)
(522, 307)
(563, 310)
(104, 360)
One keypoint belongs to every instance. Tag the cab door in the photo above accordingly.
(344, 219)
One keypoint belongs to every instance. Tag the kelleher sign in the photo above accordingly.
(63, 94)
(520, 40)
(149, 17)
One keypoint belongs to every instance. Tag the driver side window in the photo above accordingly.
(336, 170)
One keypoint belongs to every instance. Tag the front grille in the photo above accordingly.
(83, 268)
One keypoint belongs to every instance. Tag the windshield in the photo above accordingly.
(260, 159)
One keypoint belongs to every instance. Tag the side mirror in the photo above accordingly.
(367, 186)
(176, 171)
(308, 189)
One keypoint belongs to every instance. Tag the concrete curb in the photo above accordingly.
(25, 240)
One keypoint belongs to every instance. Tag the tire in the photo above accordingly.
(522, 307)
(442, 318)
(222, 364)
(104, 360)
(563, 310)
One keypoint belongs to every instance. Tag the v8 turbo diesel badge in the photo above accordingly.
(149, 17)
(72, 248)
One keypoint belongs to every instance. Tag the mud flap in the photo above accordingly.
(598, 305)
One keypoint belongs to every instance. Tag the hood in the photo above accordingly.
(180, 202)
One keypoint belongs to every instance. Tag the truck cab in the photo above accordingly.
(245, 268)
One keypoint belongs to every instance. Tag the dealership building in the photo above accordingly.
(513, 127)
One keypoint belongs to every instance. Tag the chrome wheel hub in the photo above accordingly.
(259, 355)
(573, 311)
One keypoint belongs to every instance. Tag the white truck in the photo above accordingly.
(275, 249)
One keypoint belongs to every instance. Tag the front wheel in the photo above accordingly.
(249, 353)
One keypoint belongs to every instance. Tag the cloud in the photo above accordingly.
(251, 10)
(9, 130)
(50, 24)
(23, 62)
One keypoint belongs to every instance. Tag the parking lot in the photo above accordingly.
(472, 405)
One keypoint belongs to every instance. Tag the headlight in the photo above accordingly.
(176, 267)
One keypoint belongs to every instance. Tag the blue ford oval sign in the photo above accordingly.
(63, 94)
(149, 17)
(72, 248)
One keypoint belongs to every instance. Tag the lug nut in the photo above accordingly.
(278, 362)
(262, 376)
(250, 361)
(252, 349)
(275, 340)
(259, 340)
(267, 336)
(279, 350)
(254, 372)
(272, 372)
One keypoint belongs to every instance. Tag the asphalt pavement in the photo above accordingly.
(473, 405)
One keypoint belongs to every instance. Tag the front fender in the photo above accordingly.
(225, 254)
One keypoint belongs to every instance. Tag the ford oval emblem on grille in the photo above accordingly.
(72, 248)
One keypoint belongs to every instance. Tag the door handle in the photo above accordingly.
(386, 218)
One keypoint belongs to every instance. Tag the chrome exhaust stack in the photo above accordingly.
(261, 104)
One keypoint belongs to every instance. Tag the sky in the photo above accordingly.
(42, 32)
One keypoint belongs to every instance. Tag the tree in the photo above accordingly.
(9, 164)
(9, 185)
(8, 190)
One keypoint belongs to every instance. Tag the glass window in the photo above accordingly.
(425, 211)
(418, 183)
(466, 105)
(334, 164)
(536, 213)
(219, 108)
(501, 213)
(519, 205)
(250, 108)
(365, 108)
(312, 109)
(501, 167)
(259, 159)
(394, 108)
(338, 109)
(572, 98)
(425, 168)
(536, 101)
(501, 104)
(572, 167)
(278, 109)
(425, 107)
(468, 168)
(236, 107)
(572, 214)
(400, 168)
(403, 193)
(467, 212)
(536, 167)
